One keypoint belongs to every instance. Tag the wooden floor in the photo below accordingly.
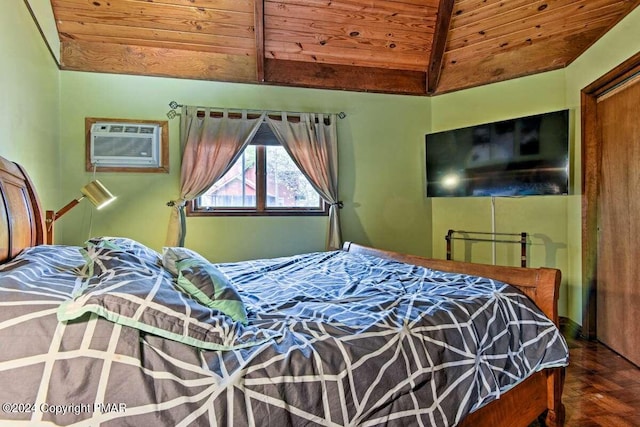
(601, 387)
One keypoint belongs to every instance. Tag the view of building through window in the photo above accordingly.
(237, 188)
(284, 185)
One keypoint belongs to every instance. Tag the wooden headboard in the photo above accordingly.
(21, 220)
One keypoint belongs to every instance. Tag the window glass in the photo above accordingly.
(263, 181)
(237, 188)
(287, 187)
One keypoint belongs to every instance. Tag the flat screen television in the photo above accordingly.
(517, 157)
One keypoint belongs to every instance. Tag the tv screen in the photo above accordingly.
(517, 157)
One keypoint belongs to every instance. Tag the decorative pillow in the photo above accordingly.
(124, 244)
(202, 280)
(101, 253)
(172, 254)
(143, 295)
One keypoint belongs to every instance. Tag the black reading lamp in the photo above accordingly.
(97, 194)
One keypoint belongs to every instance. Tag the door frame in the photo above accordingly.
(591, 170)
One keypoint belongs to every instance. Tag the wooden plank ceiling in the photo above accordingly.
(417, 47)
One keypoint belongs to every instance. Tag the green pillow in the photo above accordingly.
(173, 254)
(208, 285)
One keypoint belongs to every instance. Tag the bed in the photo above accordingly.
(114, 333)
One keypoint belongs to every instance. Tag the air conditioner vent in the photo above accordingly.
(125, 145)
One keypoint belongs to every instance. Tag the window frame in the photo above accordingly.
(261, 208)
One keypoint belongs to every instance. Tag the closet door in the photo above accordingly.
(618, 239)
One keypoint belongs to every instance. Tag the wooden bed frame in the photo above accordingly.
(22, 226)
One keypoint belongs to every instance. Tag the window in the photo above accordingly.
(263, 181)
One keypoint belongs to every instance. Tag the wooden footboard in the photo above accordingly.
(542, 284)
(542, 391)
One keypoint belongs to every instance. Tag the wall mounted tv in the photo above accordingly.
(517, 157)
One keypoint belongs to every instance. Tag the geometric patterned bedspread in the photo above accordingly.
(335, 338)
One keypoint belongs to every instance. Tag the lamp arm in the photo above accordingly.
(51, 217)
(66, 208)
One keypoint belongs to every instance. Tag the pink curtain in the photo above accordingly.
(313, 146)
(210, 146)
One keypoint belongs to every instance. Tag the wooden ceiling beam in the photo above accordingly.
(445, 11)
(344, 77)
(156, 61)
(259, 33)
(102, 33)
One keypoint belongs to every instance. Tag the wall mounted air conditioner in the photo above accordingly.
(125, 145)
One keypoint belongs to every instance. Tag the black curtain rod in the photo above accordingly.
(174, 105)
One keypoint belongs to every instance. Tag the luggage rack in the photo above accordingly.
(493, 237)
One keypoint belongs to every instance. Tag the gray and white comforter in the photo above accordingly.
(333, 338)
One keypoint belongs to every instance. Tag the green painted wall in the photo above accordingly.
(544, 218)
(29, 116)
(381, 156)
(381, 167)
(554, 222)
